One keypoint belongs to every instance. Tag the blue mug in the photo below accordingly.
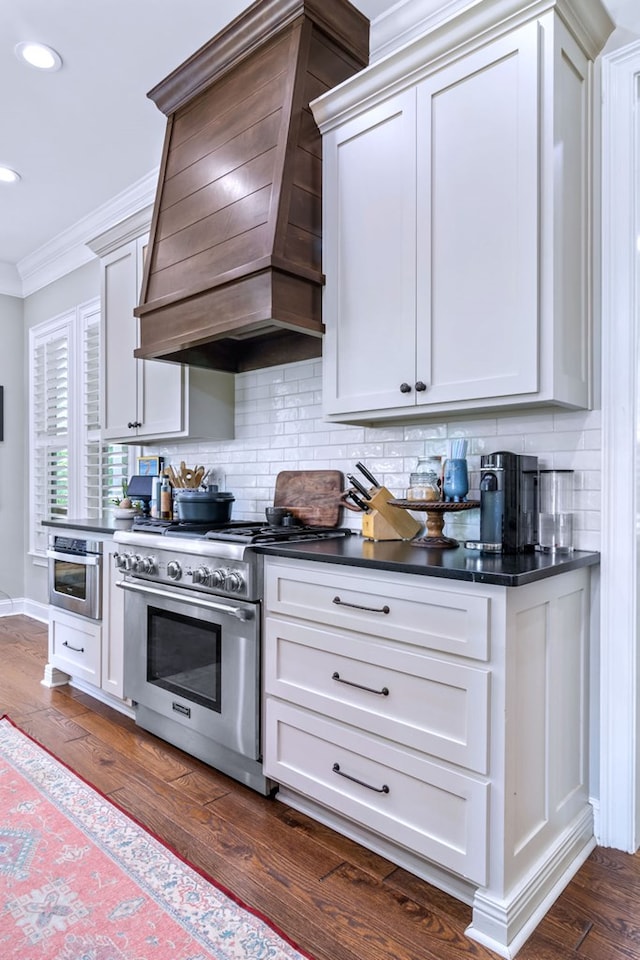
(455, 485)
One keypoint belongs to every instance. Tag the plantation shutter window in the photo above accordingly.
(49, 391)
(74, 474)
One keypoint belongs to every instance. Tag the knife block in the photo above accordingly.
(385, 522)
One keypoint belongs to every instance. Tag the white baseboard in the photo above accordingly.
(29, 608)
(98, 694)
(505, 924)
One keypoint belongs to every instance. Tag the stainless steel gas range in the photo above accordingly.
(192, 663)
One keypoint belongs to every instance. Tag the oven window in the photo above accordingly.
(183, 656)
(70, 579)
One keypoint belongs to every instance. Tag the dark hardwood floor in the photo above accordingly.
(336, 900)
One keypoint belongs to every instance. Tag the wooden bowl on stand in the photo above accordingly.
(435, 511)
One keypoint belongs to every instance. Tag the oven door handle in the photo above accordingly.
(239, 612)
(88, 560)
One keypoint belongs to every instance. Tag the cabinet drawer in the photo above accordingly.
(435, 812)
(75, 646)
(409, 612)
(434, 706)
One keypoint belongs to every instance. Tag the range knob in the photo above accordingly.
(174, 570)
(201, 575)
(147, 565)
(234, 581)
(218, 578)
(134, 563)
(120, 560)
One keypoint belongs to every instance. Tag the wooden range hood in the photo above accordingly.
(233, 275)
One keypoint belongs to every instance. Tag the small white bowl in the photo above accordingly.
(124, 513)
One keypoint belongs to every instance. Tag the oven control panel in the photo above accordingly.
(206, 574)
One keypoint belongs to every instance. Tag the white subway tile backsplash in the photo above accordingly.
(577, 419)
(472, 428)
(514, 442)
(279, 425)
(426, 431)
(522, 423)
(384, 433)
(346, 435)
(269, 375)
(404, 449)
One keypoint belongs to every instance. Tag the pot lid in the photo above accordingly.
(207, 496)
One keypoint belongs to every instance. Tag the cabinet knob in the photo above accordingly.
(420, 386)
(405, 388)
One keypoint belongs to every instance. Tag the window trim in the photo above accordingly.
(71, 325)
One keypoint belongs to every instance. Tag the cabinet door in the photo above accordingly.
(119, 340)
(75, 645)
(478, 231)
(369, 258)
(160, 406)
(147, 392)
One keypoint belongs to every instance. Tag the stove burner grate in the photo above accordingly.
(240, 531)
(264, 534)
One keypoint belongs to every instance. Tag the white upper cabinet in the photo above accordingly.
(145, 400)
(457, 222)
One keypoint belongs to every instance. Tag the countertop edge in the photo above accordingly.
(94, 525)
(472, 569)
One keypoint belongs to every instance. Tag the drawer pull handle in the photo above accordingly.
(381, 693)
(75, 649)
(356, 606)
(383, 789)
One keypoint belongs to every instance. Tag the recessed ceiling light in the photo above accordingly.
(7, 175)
(38, 55)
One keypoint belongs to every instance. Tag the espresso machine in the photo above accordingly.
(508, 503)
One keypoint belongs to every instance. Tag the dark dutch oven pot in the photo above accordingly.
(204, 506)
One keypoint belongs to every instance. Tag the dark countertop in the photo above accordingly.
(400, 556)
(104, 525)
(456, 564)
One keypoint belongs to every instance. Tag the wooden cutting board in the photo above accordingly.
(312, 496)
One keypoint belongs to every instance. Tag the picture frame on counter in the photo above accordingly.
(149, 466)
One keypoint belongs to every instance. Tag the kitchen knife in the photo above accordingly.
(359, 486)
(365, 473)
(358, 502)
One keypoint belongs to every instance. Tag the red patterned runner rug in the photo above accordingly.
(81, 880)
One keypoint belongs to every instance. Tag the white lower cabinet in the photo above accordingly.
(439, 722)
(75, 645)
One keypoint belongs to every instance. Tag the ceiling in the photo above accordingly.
(81, 136)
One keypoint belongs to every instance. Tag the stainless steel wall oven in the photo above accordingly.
(75, 575)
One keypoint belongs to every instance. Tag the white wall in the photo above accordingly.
(13, 477)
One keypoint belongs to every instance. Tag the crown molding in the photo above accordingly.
(422, 37)
(70, 250)
(122, 232)
(10, 282)
(413, 19)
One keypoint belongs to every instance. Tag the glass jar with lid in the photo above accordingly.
(425, 481)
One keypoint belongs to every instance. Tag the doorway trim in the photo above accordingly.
(619, 813)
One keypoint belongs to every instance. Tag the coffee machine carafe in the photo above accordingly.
(508, 503)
